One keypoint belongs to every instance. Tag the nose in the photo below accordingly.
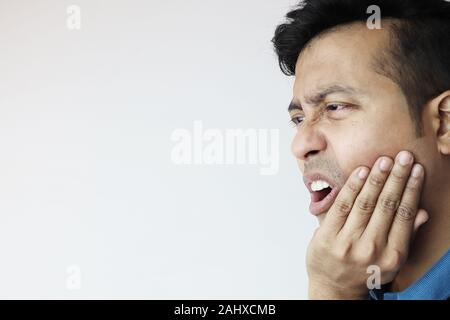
(307, 142)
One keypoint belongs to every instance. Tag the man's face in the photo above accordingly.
(351, 114)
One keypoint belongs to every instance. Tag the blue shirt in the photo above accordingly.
(434, 285)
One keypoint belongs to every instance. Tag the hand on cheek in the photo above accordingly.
(371, 222)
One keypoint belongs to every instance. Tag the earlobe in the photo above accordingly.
(443, 133)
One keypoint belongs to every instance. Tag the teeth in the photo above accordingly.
(319, 185)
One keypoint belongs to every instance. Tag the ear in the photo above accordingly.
(441, 121)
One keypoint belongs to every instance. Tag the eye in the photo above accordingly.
(337, 106)
(296, 120)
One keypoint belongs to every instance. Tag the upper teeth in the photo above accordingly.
(319, 185)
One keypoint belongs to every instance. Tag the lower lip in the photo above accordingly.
(316, 208)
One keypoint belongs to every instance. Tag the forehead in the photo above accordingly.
(342, 55)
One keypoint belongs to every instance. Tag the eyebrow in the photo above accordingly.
(320, 96)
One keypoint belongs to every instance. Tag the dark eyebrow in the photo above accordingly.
(320, 96)
(294, 106)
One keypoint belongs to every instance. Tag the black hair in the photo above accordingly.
(417, 58)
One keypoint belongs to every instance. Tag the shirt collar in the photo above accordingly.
(434, 285)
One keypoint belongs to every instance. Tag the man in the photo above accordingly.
(372, 110)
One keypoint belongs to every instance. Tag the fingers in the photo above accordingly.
(372, 221)
(367, 199)
(338, 213)
(421, 218)
(389, 200)
(381, 207)
(402, 227)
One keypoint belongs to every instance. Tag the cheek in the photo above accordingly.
(363, 146)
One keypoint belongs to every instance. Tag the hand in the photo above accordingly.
(371, 222)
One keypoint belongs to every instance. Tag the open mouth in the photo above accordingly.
(323, 192)
(318, 196)
(322, 200)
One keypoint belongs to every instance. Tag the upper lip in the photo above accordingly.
(314, 176)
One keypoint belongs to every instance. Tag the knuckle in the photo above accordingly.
(398, 176)
(342, 251)
(412, 185)
(394, 260)
(353, 187)
(365, 204)
(317, 247)
(321, 240)
(321, 237)
(405, 213)
(376, 180)
(367, 253)
(389, 204)
(343, 207)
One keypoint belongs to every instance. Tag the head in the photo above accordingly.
(361, 93)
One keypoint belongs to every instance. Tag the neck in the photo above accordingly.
(432, 241)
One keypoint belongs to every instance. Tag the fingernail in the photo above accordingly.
(385, 165)
(363, 173)
(405, 158)
(417, 171)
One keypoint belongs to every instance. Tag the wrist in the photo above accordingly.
(321, 292)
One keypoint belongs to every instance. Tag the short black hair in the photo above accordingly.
(417, 57)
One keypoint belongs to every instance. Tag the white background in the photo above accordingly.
(86, 177)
